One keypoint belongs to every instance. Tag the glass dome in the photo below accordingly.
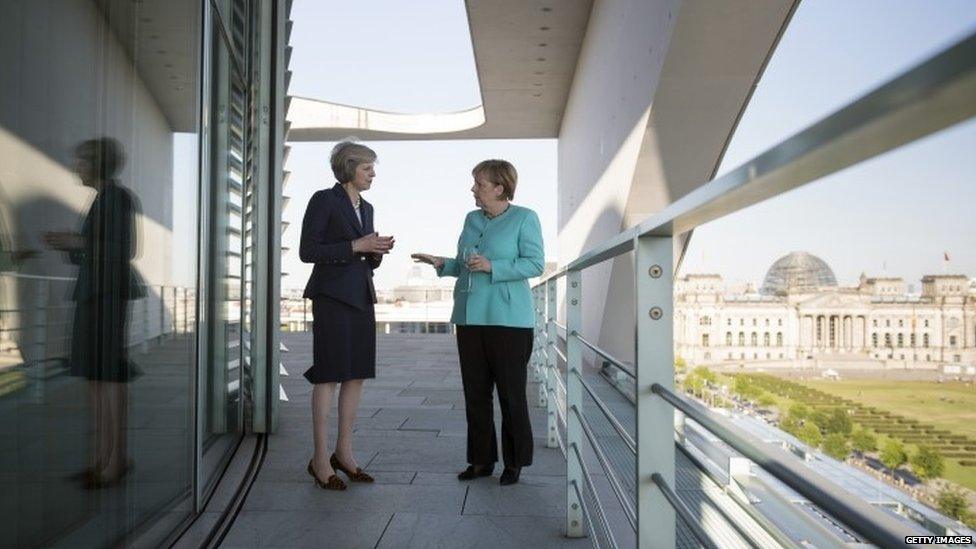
(797, 272)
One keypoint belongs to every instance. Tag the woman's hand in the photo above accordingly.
(437, 262)
(373, 244)
(478, 263)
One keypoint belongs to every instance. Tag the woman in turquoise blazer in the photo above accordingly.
(499, 249)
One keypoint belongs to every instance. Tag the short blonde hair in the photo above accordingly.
(498, 172)
(346, 157)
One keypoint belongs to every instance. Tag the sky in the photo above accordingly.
(897, 214)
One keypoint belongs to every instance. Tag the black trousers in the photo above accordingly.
(496, 357)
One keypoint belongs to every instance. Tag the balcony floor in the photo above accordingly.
(410, 435)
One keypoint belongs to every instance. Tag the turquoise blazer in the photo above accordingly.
(512, 242)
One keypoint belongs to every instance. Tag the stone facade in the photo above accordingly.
(877, 323)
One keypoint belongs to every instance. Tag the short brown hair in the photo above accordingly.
(346, 157)
(499, 172)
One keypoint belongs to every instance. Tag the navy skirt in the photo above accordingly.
(343, 342)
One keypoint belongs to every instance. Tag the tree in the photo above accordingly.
(791, 425)
(863, 441)
(693, 384)
(927, 463)
(680, 364)
(893, 455)
(707, 375)
(953, 503)
(799, 411)
(835, 446)
(810, 434)
(837, 421)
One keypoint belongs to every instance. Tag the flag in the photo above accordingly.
(945, 256)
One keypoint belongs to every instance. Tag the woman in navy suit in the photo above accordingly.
(338, 237)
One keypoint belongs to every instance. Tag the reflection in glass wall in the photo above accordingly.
(98, 223)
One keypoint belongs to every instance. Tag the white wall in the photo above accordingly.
(602, 131)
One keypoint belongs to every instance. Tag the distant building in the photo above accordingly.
(800, 313)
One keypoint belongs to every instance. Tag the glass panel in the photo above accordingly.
(98, 221)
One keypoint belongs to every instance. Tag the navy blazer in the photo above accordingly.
(329, 227)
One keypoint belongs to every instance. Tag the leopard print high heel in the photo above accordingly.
(333, 482)
(356, 476)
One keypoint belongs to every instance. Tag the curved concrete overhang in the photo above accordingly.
(312, 114)
(525, 55)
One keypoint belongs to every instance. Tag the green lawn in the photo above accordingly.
(950, 406)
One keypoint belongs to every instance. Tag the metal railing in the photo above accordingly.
(37, 315)
(928, 98)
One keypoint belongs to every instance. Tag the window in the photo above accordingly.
(767, 322)
(956, 358)
(781, 355)
(874, 340)
(887, 340)
(742, 339)
(901, 323)
(779, 339)
(952, 341)
(874, 323)
(766, 340)
(742, 322)
(728, 339)
(779, 322)
(925, 340)
(754, 322)
(911, 340)
(928, 358)
(754, 339)
(704, 340)
(767, 356)
(728, 322)
(901, 340)
(926, 323)
(887, 323)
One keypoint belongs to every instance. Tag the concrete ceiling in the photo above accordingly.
(525, 52)
(162, 39)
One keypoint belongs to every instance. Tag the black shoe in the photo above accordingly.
(510, 476)
(475, 471)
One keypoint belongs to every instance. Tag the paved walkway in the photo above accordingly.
(410, 436)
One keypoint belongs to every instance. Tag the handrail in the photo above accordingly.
(631, 445)
(696, 530)
(871, 523)
(618, 489)
(923, 100)
(559, 353)
(606, 355)
(602, 515)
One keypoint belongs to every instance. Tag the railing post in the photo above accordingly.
(548, 391)
(537, 363)
(40, 337)
(654, 263)
(574, 398)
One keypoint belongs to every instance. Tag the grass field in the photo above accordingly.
(949, 406)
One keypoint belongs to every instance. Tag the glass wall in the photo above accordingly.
(99, 194)
(136, 141)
